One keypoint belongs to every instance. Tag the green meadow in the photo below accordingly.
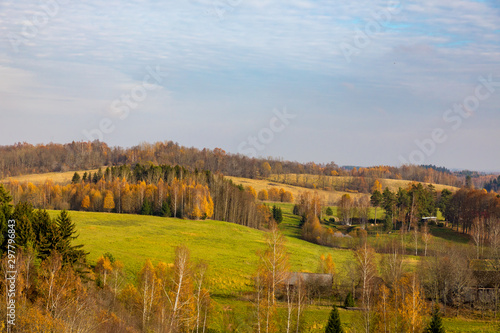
(231, 252)
(228, 248)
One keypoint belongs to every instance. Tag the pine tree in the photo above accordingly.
(165, 209)
(5, 211)
(334, 325)
(147, 208)
(277, 214)
(436, 324)
(67, 233)
(76, 178)
(349, 301)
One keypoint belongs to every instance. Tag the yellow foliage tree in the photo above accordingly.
(104, 267)
(252, 191)
(109, 201)
(274, 194)
(86, 202)
(263, 195)
(413, 308)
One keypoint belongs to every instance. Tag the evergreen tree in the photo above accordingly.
(147, 208)
(376, 200)
(84, 177)
(165, 209)
(76, 178)
(436, 324)
(277, 214)
(349, 301)
(5, 212)
(95, 178)
(329, 211)
(67, 233)
(47, 235)
(99, 175)
(23, 215)
(334, 325)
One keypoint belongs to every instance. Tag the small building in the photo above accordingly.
(318, 280)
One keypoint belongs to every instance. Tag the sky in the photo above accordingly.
(364, 82)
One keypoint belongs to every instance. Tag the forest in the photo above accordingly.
(24, 158)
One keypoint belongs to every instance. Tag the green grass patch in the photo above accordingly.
(230, 249)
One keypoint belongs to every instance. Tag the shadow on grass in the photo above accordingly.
(449, 235)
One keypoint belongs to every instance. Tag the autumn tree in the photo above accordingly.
(148, 292)
(346, 209)
(365, 259)
(271, 273)
(413, 308)
(103, 268)
(85, 202)
(180, 295)
(109, 202)
(263, 195)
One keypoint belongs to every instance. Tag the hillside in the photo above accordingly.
(312, 182)
(229, 249)
(38, 178)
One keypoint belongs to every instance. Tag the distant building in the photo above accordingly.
(318, 280)
(429, 219)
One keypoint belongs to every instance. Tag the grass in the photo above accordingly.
(338, 181)
(56, 177)
(230, 249)
(328, 197)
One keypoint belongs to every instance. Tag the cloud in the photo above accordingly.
(256, 55)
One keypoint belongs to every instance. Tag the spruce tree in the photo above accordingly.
(349, 301)
(147, 208)
(76, 178)
(334, 325)
(436, 324)
(5, 211)
(165, 209)
(67, 233)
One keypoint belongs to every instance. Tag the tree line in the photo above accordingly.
(24, 158)
(150, 190)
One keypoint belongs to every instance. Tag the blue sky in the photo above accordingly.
(367, 82)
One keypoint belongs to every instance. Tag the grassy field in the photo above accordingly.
(56, 177)
(328, 197)
(229, 249)
(314, 180)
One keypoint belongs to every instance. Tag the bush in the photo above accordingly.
(441, 224)
(329, 211)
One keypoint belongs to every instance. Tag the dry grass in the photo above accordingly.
(328, 197)
(56, 177)
(392, 184)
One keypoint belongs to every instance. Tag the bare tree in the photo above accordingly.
(365, 258)
(426, 237)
